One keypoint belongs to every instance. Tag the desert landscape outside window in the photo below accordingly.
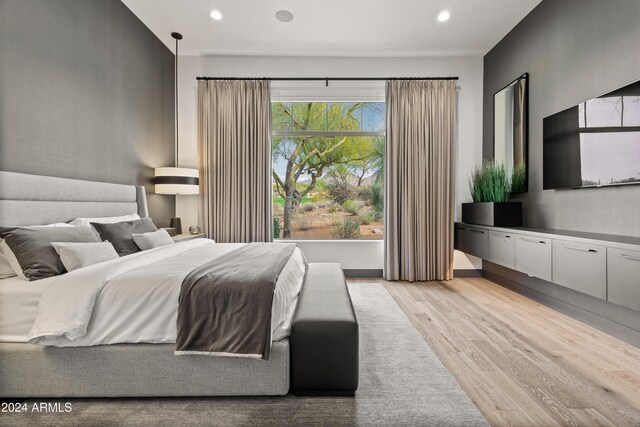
(328, 160)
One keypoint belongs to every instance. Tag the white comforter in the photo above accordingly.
(134, 299)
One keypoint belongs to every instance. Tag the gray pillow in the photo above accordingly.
(78, 255)
(154, 239)
(120, 234)
(30, 250)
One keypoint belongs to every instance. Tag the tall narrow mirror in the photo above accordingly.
(510, 130)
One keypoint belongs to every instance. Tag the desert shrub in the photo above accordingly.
(362, 192)
(276, 228)
(353, 206)
(365, 217)
(333, 209)
(340, 191)
(308, 207)
(346, 228)
(375, 197)
(368, 215)
(303, 222)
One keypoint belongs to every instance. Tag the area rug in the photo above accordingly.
(402, 383)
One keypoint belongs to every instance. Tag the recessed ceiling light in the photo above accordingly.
(444, 16)
(215, 14)
(284, 16)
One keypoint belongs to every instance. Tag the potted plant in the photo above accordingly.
(490, 188)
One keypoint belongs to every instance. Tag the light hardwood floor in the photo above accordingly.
(522, 363)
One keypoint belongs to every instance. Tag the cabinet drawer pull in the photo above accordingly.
(504, 236)
(476, 231)
(533, 240)
(578, 248)
(627, 256)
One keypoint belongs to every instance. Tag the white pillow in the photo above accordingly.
(105, 220)
(78, 255)
(153, 239)
(11, 260)
(5, 268)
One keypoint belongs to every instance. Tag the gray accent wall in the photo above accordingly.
(573, 50)
(86, 92)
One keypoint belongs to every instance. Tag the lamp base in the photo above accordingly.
(177, 224)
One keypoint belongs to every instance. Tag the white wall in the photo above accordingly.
(469, 140)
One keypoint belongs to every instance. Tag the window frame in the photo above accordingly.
(330, 134)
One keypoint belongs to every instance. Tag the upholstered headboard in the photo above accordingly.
(35, 199)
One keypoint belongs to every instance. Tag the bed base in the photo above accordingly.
(136, 370)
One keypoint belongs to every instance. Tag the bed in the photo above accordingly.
(314, 331)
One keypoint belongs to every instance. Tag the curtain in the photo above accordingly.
(419, 179)
(234, 150)
(519, 130)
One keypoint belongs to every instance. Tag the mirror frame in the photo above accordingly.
(525, 77)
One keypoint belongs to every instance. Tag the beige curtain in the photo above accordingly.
(519, 130)
(234, 148)
(419, 179)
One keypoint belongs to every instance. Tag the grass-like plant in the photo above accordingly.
(519, 178)
(489, 183)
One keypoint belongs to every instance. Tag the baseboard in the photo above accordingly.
(364, 273)
(324, 393)
(467, 272)
(608, 326)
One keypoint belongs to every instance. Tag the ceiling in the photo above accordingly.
(333, 27)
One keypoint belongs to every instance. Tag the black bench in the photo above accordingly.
(324, 336)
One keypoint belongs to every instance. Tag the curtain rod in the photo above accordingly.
(326, 79)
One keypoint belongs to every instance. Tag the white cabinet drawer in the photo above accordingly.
(502, 249)
(623, 278)
(533, 256)
(581, 267)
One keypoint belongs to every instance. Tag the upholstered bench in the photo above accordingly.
(324, 335)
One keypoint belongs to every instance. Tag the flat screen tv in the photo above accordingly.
(595, 143)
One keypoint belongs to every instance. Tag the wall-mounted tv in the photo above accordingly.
(595, 143)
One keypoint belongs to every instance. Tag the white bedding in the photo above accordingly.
(19, 306)
(135, 298)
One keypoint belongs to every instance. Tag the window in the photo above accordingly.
(327, 170)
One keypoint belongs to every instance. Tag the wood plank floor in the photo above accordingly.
(524, 364)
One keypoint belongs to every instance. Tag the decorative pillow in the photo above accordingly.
(151, 240)
(78, 255)
(120, 234)
(104, 220)
(5, 268)
(29, 250)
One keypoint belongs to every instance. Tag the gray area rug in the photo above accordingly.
(402, 383)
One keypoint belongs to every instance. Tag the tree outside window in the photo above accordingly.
(328, 162)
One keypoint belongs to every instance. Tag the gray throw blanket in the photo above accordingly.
(224, 308)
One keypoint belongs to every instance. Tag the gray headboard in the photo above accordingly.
(35, 199)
